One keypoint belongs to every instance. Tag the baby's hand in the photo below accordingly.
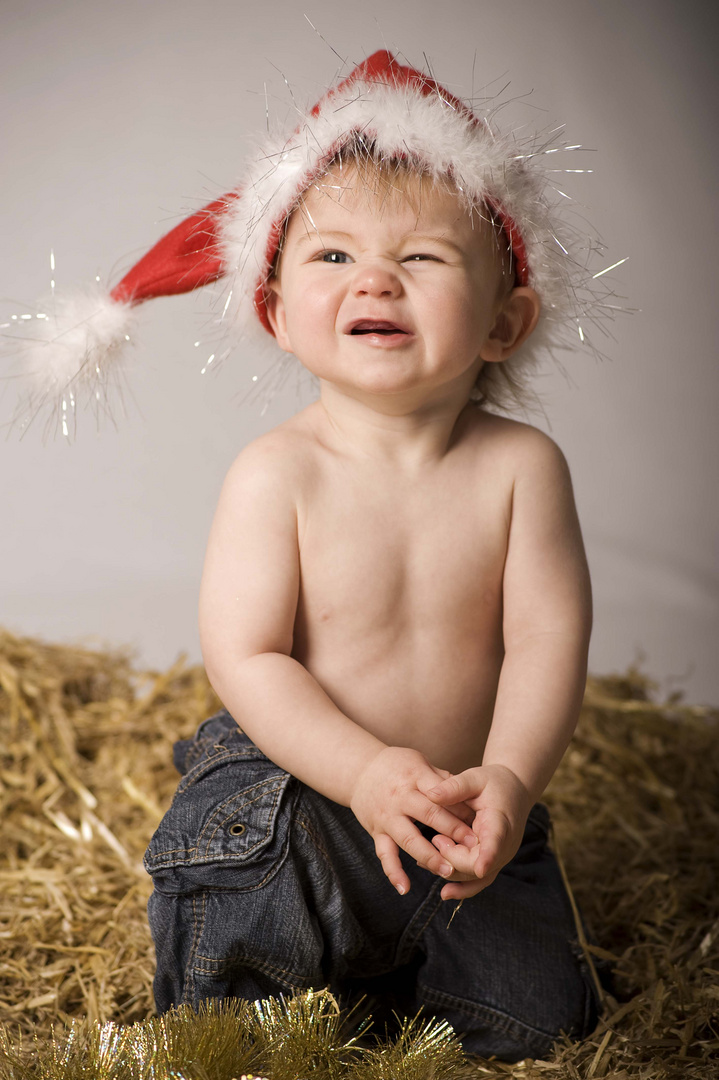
(500, 803)
(389, 797)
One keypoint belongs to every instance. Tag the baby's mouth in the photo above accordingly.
(375, 326)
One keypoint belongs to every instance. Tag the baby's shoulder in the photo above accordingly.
(280, 458)
(517, 445)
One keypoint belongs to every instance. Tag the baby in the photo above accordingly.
(395, 608)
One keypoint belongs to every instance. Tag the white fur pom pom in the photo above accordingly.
(69, 355)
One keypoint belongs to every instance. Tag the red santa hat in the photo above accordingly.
(402, 114)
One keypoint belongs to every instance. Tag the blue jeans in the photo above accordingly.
(262, 887)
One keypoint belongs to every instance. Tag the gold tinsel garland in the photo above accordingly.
(85, 773)
(236, 1040)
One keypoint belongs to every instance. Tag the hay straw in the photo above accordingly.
(86, 770)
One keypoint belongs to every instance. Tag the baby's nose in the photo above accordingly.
(376, 279)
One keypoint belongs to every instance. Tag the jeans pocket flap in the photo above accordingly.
(228, 817)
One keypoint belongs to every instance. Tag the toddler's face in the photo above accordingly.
(388, 290)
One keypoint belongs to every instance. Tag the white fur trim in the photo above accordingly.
(483, 164)
(69, 353)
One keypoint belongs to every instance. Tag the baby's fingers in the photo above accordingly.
(459, 810)
(410, 839)
(445, 822)
(463, 859)
(464, 882)
(388, 854)
(492, 829)
(461, 890)
(457, 788)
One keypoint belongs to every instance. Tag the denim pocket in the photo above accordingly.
(225, 828)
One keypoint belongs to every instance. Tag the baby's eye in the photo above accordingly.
(421, 258)
(334, 257)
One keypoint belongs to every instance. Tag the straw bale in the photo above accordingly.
(86, 772)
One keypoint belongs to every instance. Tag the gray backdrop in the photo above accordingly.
(119, 117)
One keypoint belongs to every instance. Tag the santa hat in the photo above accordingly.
(401, 114)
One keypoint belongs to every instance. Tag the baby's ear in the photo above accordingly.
(276, 314)
(516, 320)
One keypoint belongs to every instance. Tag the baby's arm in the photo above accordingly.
(547, 623)
(248, 602)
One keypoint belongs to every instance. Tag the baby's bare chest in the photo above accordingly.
(420, 558)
